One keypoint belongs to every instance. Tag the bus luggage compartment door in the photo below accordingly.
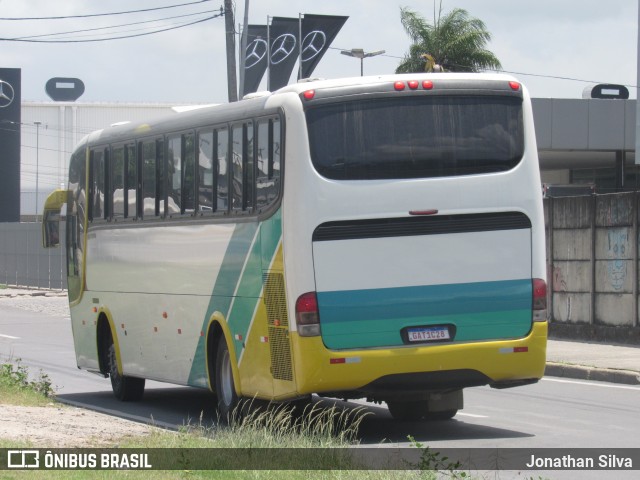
(445, 278)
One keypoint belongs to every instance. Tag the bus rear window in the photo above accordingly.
(415, 137)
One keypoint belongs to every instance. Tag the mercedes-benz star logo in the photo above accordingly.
(313, 44)
(282, 47)
(6, 94)
(255, 52)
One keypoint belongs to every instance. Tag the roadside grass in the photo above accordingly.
(277, 427)
(19, 389)
(329, 431)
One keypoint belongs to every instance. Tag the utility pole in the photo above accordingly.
(232, 81)
(243, 45)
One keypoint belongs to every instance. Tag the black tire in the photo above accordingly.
(407, 410)
(439, 416)
(417, 410)
(225, 386)
(125, 389)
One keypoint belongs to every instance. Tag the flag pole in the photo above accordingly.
(299, 46)
(268, 54)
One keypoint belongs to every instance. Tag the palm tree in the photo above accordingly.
(455, 42)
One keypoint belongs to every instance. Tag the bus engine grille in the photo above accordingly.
(278, 326)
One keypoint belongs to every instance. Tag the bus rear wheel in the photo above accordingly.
(126, 389)
(417, 410)
(225, 386)
(407, 410)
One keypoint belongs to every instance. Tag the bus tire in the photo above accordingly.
(407, 410)
(225, 386)
(443, 415)
(125, 389)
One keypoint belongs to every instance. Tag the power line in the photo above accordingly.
(111, 27)
(117, 37)
(102, 14)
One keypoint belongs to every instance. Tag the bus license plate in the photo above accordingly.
(428, 334)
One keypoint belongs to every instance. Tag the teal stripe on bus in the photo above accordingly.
(252, 248)
(250, 286)
(375, 317)
(230, 270)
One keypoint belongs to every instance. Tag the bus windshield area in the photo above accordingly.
(415, 137)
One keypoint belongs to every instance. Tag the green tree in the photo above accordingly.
(455, 42)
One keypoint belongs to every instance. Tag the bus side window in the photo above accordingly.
(248, 163)
(131, 182)
(207, 174)
(149, 208)
(152, 179)
(174, 174)
(268, 162)
(222, 195)
(188, 173)
(243, 167)
(161, 184)
(117, 182)
(97, 185)
(237, 176)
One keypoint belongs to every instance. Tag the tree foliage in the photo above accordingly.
(454, 42)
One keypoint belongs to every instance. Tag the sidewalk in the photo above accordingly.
(577, 360)
(593, 361)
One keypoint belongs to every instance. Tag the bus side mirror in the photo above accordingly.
(51, 228)
(51, 218)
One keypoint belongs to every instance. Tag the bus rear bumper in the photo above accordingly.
(412, 370)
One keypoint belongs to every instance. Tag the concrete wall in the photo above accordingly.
(592, 255)
(23, 261)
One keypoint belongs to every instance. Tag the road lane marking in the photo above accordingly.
(592, 384)
(9, 337)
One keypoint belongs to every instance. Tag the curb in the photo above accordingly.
(580, 372)
(15, 293)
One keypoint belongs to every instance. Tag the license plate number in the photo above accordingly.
(428, 334)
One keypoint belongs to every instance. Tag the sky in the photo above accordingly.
(586, 41)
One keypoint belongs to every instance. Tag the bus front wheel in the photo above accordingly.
(126, 389)
(225, 386)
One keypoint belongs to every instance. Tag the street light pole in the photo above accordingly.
(361, 54)
(37, 124)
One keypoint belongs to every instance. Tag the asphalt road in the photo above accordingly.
(555, 413)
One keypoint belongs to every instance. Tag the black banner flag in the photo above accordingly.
(284, 33)
(10, 118)
(255, 58)
(318, 31)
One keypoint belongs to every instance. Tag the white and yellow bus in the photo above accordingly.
(377, 237)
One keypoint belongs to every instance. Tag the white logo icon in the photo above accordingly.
(313, 44)
(23, 458)
(282, 47)
(6, 94)
(255, 52)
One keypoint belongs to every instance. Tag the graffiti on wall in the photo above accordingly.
(617, 245)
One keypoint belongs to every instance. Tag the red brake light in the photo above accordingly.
(539, 300)
(309, 94)
(427, 84)
(413, 84)
(307, 316)
(399, 86)
(515, 86)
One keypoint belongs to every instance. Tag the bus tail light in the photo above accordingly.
(539, 300)
(307, 316)
(399, 86)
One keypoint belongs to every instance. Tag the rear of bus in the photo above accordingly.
(414, 239)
